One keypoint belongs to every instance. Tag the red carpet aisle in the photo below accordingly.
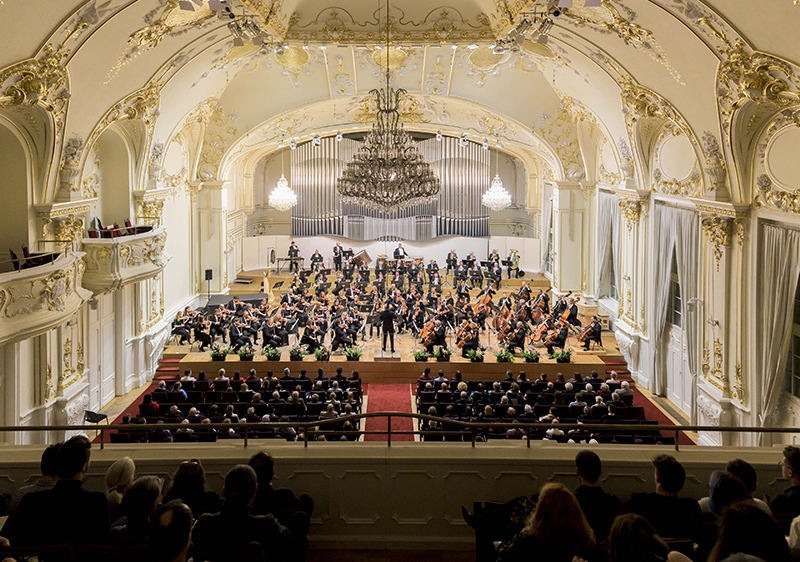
(388, 398)
(133, 410)
(652, 412)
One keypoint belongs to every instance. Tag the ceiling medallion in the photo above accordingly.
(388, 172)
(293, 57)
(397, 57)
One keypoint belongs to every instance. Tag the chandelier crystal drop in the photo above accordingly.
(282, 197)
(387, 171)
(497, 198)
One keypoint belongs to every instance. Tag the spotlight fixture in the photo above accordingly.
(439, 136)
(339, 136)
(317, 141)
(524, 26)
(462, 140)
(545, 26)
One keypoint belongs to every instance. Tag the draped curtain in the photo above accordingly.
(678, 232)
(547, 220)
(608, 224)
(779, 257)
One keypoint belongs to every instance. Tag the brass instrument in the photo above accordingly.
(514, 259)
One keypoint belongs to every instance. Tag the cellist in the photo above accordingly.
(560, 339)
(518, 340)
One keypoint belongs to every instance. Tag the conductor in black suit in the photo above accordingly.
(400, 252)
(387, 320)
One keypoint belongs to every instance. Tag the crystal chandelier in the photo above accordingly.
(282, 197)
(497, 198)
(388, 172)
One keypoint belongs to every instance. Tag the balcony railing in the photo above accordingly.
(114, 262)
(472, 430)
(40, 297)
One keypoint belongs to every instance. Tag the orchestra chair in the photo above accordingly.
(95, 418)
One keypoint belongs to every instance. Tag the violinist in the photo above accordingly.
(593, 332)
(310, 337)
(202, 333)
(560, 339)
(518, 340)
(269, 336)
(179, 328)
(217, 325)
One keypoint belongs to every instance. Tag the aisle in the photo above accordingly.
(388, 398)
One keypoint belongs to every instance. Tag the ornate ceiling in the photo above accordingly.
(630, 65)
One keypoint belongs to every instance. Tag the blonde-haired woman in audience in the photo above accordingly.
(119, 478)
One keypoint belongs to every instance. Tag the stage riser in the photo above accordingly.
(401, 372)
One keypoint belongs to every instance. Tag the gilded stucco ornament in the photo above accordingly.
(560, 133)
(770, 195)
(719, 232)
(769, 192)
(220, 133)
(631, 211)
(716, 375)
(715, 162)
(70, 167)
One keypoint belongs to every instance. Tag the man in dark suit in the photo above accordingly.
(337, 256)
(594, 334)
(66, 514)
(234, 526)
(387, 321)
(294, 252)
(400, 252)
(560, 341)
(438, 337)
(573, 313)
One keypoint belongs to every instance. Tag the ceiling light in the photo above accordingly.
(282, 197)
(545, 26)
(524, 26)
(317, 141)
(462, 140)
(339, 136)
(498, 49)
(293, 144)
(486, 144)
(497, 198)
(439, 136)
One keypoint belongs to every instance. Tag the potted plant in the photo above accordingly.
(531, 356)
(442, 354)
(297, 353)
(504, 356)
(272, 354)
(420, 355)
(246, 352)
(475, 356)
(353, 353)
(218, 354)
(562, 356)
(322, 354)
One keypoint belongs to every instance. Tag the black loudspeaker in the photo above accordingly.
(209, 274)
(520, 274)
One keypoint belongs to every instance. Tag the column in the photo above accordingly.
(212, 235)
(571, 205)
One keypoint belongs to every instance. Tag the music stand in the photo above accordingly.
(485, 264)
(325, 271)
(506, 263)
(303, 286)
(362, 285)
(277, 285)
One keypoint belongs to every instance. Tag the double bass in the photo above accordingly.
(585, 333)
(427, 333)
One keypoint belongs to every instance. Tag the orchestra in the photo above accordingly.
(391, 297)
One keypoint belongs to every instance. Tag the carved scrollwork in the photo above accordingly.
(712, 413)
(631, 212)
(718, 230)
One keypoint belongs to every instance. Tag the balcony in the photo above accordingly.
(128, 256)
(40, 295)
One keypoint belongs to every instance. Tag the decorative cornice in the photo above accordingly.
(54, 210)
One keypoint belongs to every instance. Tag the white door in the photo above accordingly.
(679, 384)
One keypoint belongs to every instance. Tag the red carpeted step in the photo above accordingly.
(619, 371)
(166, 378)
(174, 360)
(614, 362)
(161, 369)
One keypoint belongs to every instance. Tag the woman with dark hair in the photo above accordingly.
(633, 539)
(556, 531)
(746, 529)
(189, 486)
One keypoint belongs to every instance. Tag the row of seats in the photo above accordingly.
(531, 398)
(253, 385)
(524, 386)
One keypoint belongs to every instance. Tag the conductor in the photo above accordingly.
(387, 320)
(400, 252)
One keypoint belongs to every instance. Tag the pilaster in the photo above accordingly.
(571, 234)
(211, 232)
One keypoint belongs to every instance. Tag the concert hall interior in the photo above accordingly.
(532, 196)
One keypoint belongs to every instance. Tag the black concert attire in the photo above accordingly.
(238, 339)
(400, 253)
(573, 315)
(309, 338)
(337, 257)
(387, 321)
(348, 270)
(545, 301)
(218, 327)
(438, 338)
(560, 341)
(476, 276)
(340, 337)
(294, 264)
(594, 335)
(518, 340)
(463, 291)
(316, 261)
(179, 329)
(452, 260)
(525, 293)
(270, 336)
(471, 343)
(203, 337)
(559, 307)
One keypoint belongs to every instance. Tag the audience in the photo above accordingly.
(746, 529)
(119, 477)
(556, 531)
(669, 514)
(189, 486)
(235, 527)
(140, 501)
(600, 508)
(49, 470)
(633, 539)
(65, 514)
(170, 532)
(788, 501)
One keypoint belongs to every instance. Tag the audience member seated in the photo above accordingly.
(633, 539)
(624, 389)
(745, 472)
(140, 501)
(189, 486)
(65, 514)
(170, 532)
(235, 527)
(49, 470)
(119, 477)
(670, 515)
(556, 531)
(599, 507)
(787, 503)
(746, 529)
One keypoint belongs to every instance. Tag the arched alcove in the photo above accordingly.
(15, 212)
(117, 181)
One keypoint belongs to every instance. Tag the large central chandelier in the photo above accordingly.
(497, 198)
(387, 171)
(282, 197)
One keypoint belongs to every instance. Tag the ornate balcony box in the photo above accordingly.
(112, 263)
(38, 299)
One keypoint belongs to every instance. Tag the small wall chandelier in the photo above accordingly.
(282, 197)
(388, 172)
(497, 198)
